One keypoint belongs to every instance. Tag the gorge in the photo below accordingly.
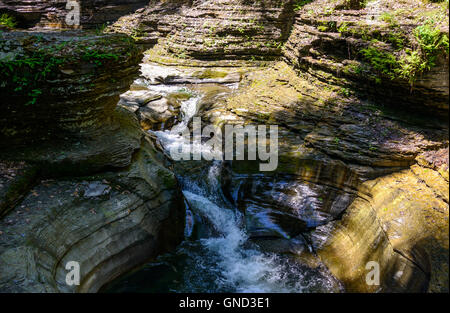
(359, 91)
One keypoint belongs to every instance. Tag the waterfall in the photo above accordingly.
(223, 260)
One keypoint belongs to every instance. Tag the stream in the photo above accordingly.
(217, 254)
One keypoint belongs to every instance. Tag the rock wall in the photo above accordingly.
(62, 90)
(109, 223)
(363, 157)
(79, 179)
(52, 14)
(213, 29)
(329, 42)
(402, 223)
(350, 181)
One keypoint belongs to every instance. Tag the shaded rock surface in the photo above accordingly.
(354, 139)
(79, 179)
(57, 92)
(52, 14)
(331, 148)
(16, 178)
(109, 223)
(363, 157)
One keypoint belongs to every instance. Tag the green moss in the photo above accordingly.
(168, 179)
(209, 73)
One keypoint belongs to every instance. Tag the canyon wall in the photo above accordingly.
(212, 29)
(79, 180)
(52, 14)
(354, 134)
(363, 156)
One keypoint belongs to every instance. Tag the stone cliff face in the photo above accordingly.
(363, 169)
(52, 14)
(360, 102)
(79, 179)
(327, 161)
(213, 29)
(74, 67)
(363, 50)
(109, 223)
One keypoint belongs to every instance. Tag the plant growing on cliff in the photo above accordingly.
(408, 64)
(299, 4)
(431, 43)
(25, 73)
(97, 56)
(8, 21)
(382, 62)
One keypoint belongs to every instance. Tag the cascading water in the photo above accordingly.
(221, 258)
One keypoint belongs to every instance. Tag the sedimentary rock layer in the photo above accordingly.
(213, 29)
(61, 90)
(52, 14)
(111, 204)
(108, 223)
(363, 49)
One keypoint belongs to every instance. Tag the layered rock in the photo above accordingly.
(52, 14)
(111, 203)
(16, 178)
(212, 29)
(331, 147)
(353, 134)
(403, 222)
(363, 156)
(375, 50)
(108, 223)
(61, 90)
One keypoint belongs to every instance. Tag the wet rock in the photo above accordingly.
(227, 79)
(142, 216)
(331, 146)
(286, 207)
(156, 113)
(96, 189)
(139, 97)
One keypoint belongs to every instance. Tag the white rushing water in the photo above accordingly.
(240, 269)
(225, 260)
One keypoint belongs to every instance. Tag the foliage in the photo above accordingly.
(25, 73)
(299, 4)
(431, 43)
(410, 63)
(389, 18)
(382, 62)
(8, 21)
